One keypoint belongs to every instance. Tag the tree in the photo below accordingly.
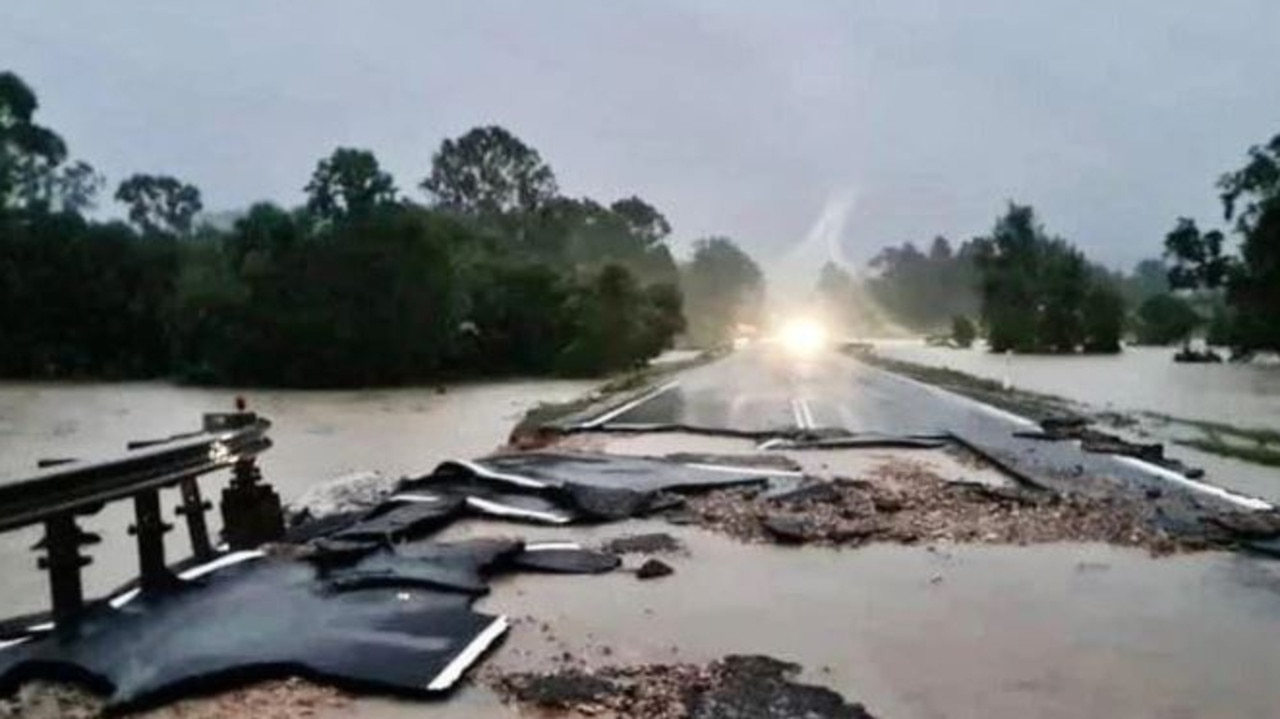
(1103, 319)
(77, 186)
(1166, 319)
(348, 184)
(923, 291)
(29, 153)
(489, 171)
(723, 287)
(160, 204)
(963, 333)
(1039, 293)
(1251, 197)
(642, 220)
(1198, 262)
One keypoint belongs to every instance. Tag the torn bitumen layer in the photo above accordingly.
(736, 687)
(364, 600)
(398, 621)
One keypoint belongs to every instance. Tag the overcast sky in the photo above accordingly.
(1112, 117)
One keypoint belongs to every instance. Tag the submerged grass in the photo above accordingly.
(1261, 435)
(1256, 454)
(1032, 405)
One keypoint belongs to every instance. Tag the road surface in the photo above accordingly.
(765, 389)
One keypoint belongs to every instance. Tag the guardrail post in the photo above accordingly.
(150, 529)
(63, 561)
(192, 509)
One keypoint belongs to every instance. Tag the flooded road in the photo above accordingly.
(317, 434)
(1057, 631)
(1140, 378)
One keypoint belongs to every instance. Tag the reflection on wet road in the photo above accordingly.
(764, 389)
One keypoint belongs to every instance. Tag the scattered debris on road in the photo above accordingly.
(654, 568)
(905, 503)
(652, 543)
(736, 687)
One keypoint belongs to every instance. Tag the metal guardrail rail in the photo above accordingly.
(63, 490)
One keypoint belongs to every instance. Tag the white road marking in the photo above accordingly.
(453, 671)
(744, 470)
(1227, 495)
(1239, 500)
(619, 411)
(483, 471)
(489, 506)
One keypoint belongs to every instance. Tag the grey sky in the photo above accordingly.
(739, 118)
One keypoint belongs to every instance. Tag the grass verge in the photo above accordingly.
(1033, 405)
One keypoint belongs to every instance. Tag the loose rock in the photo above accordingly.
(654, 568)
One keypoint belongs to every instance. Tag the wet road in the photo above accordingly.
(765, 389)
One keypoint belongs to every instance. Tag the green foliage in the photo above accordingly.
(81, 299)
(489, 171)
(348, 185)
(923, 291)
(33, 175)
(723, 287)
(1103, 319)
(159, 204)
(1166, 319)
(1040, 295)
(1251, 200)
(963, 332)
(356, 288)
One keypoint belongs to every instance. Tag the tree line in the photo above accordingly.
(495, 272)
(1033, 292)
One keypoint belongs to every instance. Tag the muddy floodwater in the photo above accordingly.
(1140, 378)
(317, 436)
(964, 632)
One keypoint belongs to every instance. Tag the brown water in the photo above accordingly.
(963, 632)
(317, 435)
(1140, 378)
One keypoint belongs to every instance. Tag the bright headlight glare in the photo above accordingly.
(803, 336)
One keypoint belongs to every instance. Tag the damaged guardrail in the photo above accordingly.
(63, 490)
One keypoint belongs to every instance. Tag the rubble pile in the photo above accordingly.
(906, 503)
(737, 687)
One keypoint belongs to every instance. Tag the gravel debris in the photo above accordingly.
(736, 687)
(281, 699)
(905, 502)
(653, 543)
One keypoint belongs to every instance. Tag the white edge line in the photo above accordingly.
(125, 597)
(618, 411)
(744, 470)
(503, 510)
(796, 415)
(770, 444)
(545, 546)
(482, 471)
(981, 406)
(1239, 500)
(411, 497)
(468, 656)
(195, 572)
